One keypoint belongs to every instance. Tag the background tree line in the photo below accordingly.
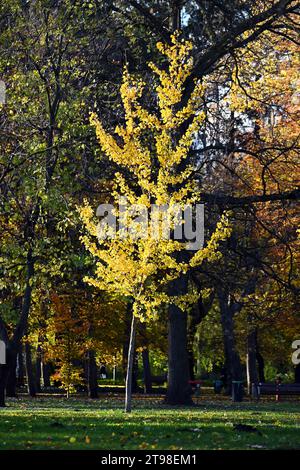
(62, 59)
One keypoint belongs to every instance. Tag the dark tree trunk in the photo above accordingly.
(92, 375)
(11, 382)
(179, 390)
(175, 19)
(21, 370)
(260, 367)
(5, 369)
(46, 373)
(192, 327)
(197, 314)
(297, 374)
(135, 372)
(191, 358)
(260, 363)
(31, 382)
(38, 369)
(3, 379)
(232, 359)
(14, 344)
(147, 371)
(252, 377)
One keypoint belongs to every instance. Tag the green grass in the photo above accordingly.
(78, 423)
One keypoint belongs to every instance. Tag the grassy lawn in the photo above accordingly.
(58, 423)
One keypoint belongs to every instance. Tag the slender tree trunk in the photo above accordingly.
(190, 345)
(194, 319)
(130, 360)
(46, 373)
(232, 359)
(260, 362)
(135, 372)
(128, 320)
(13, 345)
(252, 377)
(31, 383)
(38, 368)
(175, 19)
(21, 371)
(92, 375)
(147, 371)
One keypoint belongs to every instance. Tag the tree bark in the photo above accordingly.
(20, 371)
(135, 372)
(128, 320)
(31, 383)
(11, 382)
(179, 390)
(130, 360)
(175, 19)
(147, 371)
(260, 363)
(46, 373)
(191, 331)
(252, 377)
(92, 375)
(232, 359)
(3, 378)
(38, 370)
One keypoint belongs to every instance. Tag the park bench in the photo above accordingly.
(278, 389)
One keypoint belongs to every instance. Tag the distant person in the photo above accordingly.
(223, 376)
(103, 373)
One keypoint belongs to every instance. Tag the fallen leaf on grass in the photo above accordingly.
(257, 446)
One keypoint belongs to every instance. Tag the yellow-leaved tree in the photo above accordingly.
(151, 150)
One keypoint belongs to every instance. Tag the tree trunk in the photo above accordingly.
(179, 390)
(13, 345)
(130, 360)
(194, 319)
(20, 369)
(31, 383)
(135, 372)
(3, 378)
(147, 371)
(128, 321)
(297, 374)
(191, 331)
(46, 373)
(260, 363)
(252, 377)
(11, 382)
(38, 369)
(232, 359)
(92, 375)
(175, 19)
